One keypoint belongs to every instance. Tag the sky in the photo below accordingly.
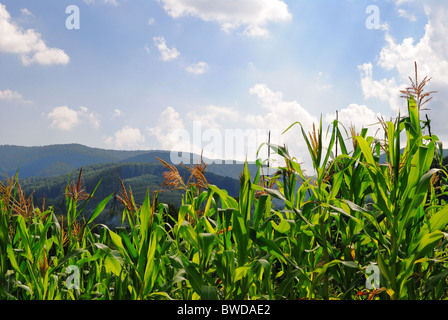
(212, 76)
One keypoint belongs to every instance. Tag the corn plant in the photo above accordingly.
(354, 212)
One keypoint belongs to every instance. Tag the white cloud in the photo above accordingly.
(127, 137)
(151, 21)
(26, 12)
(117, 113)
(10, 95)
(167, 53)
(198, 68)
(386, 89)
(114, 3)
(65, 118)
(165, 131)
(407, 15)
(89, 116)
(251, 15)
(27, 43)
(279, 115)
(359, 116)
(431, 54)
(229, 133)
(213, 116)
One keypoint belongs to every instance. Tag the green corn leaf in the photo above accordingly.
(118, 242)
(151, 265)
(259, 211)
(436, 223)
(439, 220)
(71, 255)
(209, 293)
(240, 235)
(12, 258)
(25, 237)
(188, 233)
(99, 209)
(427, 244)
(129, 245)
(227, 200)
(283, 226)
(367, 152)
(287, 285)
(241, 272)
(112, 262)
(145, 214)
(206, 241)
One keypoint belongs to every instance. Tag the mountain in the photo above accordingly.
(216, 166)
(141, 177)
(47, 161)
(45, 171)
(53, 160)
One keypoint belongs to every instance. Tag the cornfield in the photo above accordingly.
(370, 223)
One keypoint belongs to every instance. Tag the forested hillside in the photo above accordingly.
(44, 173)
(141, 177)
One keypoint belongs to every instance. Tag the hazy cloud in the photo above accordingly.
(126, 138)
(65, 118)
(114, 3)
(10, 95)
(198, 68)
(168, 125)
(167, 54)
(250, 15)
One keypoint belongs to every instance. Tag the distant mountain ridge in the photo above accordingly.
(44, 172)
(53, 160)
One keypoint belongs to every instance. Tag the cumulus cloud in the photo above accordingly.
(213, 116)
(386, 90)
(198, 68)
(279, 113)
(430, 52)
(228, 133)
(358, 116)
(407, 15)
(167, 53)
(65, 118)
(10, 95)
(168, 127)
(278, 116)
(27, 43)
(250, 15)
(126, 138)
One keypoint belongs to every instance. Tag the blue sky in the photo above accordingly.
(137, 71)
